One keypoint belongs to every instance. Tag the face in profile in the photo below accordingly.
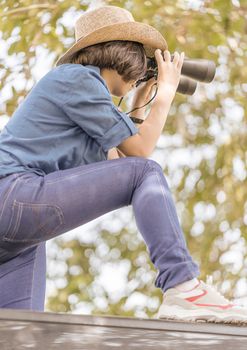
(115, 83)
(120, 87)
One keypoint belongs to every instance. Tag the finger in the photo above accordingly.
(167, 56)
(153, 87)
(151, 81)
(159, 57)
(176, 58)
(181, 61)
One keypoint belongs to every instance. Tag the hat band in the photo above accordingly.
(83, 35)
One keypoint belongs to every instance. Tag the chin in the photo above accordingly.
(118, 93)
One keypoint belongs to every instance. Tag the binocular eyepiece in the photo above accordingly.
(193, 70)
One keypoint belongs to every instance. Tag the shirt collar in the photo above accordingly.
(97, 70)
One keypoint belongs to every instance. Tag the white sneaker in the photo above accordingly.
(202, 303)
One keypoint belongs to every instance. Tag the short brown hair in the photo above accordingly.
(128, 58)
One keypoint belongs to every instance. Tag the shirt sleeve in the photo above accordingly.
(90, 106)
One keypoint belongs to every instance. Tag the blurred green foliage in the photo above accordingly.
(209, 128)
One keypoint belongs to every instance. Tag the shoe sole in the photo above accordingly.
(174, 313)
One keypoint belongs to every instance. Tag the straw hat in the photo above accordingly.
(109, 23)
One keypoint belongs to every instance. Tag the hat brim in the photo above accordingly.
(130, 31)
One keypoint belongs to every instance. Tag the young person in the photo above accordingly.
(68, 156)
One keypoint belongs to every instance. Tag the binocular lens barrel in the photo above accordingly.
(199, 69)
(186, 86)
(192, 70)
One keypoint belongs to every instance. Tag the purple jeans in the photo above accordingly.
(34, 209)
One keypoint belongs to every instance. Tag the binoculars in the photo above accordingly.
(193, 70)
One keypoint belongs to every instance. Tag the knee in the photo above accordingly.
(145, 165)
(149, 163)
(154, 165)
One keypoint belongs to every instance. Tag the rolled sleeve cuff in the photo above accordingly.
(119, 132)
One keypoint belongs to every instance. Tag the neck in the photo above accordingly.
(108, 76)
(114, 82)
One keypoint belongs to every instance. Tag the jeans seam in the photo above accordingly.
(172, 221)
(8, 194)
(132, 183)
(19, 208)
(11, 220)
(16, 300)
(19, 266)
(143, 172)
(168, 211)
(87, 172)
(33, 276)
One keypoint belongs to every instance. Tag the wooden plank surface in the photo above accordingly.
(43, 330)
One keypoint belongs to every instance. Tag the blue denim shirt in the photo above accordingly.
(68, 119)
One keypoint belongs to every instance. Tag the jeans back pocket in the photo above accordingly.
(33, 222)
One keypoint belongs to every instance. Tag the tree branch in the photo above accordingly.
(28, 8)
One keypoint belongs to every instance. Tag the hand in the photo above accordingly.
(112, 154)
(169, 71)
(144, 92)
